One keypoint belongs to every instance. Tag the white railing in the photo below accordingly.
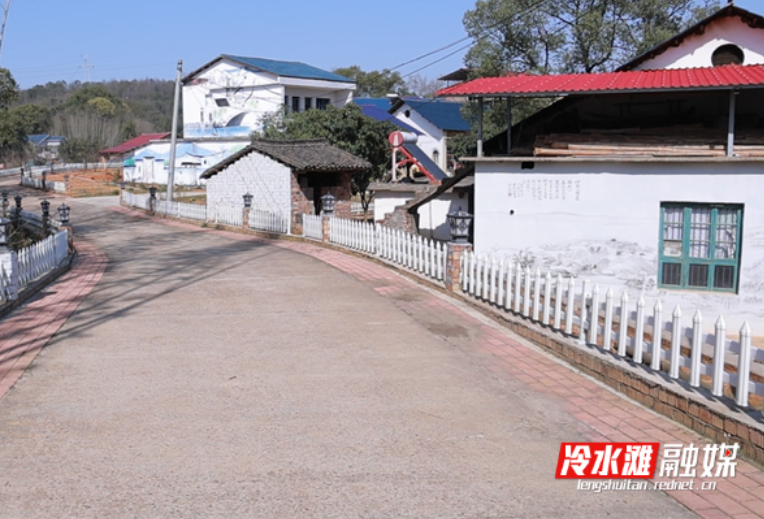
(228, 216)
(412, 251)
(312, 226)
(7, 289)
(57, 186)
(615, 325)
(42, 257)
(135, 200)
(415, 252)
(175, 209)
(267, 221)
(192, 211)
(356, 208)
(35, 183)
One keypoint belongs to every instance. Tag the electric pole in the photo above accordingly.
(86, 66)
(5, 19)
(174, 138)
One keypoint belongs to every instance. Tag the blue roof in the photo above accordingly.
(38, 138)
(381, 115)
(383, 103)
(288, 68)
(182, 149)
(443, 114)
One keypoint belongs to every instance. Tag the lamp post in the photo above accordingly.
(459, 223)
(152, 199)
(247, 209)
(45, 205)
(5, 227)
(17, 214)
(327, 204)
(6, 203)
(63, 216)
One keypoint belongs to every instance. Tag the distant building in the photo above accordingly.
(286, 178)
(229, 96)
(127, 149)
(45, 146)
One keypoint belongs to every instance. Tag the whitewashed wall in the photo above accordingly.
(696, 50)
(601, 221)
(386, 202)
(267, 180)
(433, 221)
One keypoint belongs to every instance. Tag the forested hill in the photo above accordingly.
(149, 101)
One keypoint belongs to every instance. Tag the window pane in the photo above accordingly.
(724, 276)
(672, 274)
(698, 276)
(726, 234)
(673, 230)
(700, 232)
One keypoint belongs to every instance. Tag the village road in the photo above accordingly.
(214, 377)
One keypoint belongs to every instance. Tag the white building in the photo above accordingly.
(150, 163)
(229, 96)
(435, 121)
(659, 192)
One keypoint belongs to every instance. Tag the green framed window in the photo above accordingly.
(700, 246)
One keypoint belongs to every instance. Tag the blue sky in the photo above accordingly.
(47, 40)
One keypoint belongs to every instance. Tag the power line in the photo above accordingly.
(502, 21)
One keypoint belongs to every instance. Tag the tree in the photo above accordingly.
(33, 119)
(347, 128)
(544, 37)
(377, 83)
(421, 86)
(9, 89)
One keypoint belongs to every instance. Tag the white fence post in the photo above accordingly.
(571, 304)
(744, 366)
(655, 361)
(639, 331)
(676, 337)
(595, 318)
(697, 349)
(623, 325)
(717, 388)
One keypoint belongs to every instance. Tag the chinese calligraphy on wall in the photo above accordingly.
(546, 189)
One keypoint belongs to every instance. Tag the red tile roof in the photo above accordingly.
(707, 78)
(134, 143)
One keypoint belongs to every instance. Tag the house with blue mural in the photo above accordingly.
(229, 96)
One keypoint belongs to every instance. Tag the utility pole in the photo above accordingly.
(5, 19)
(86, 67)
(174, 139)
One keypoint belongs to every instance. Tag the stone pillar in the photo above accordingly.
(297, 229)
(454, 252)
(69, 236)
(245, 218)
(325, 229)
(9, 267)
(152, 205)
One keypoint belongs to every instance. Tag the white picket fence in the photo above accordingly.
(267, 221)
(176, 209)
(57, 186)
(42, 257)
(597, 319)
(181, 210)
(135, 200)
(227, 216)
(312, 226)
(412, 251)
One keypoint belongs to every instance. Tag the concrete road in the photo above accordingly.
(212, 377)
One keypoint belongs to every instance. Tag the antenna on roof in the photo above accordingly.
(5, 19)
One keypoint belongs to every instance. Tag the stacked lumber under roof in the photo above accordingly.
(684, 141)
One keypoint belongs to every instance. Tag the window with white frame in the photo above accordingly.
(322, 103)
(295, 104)
(700, 246)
